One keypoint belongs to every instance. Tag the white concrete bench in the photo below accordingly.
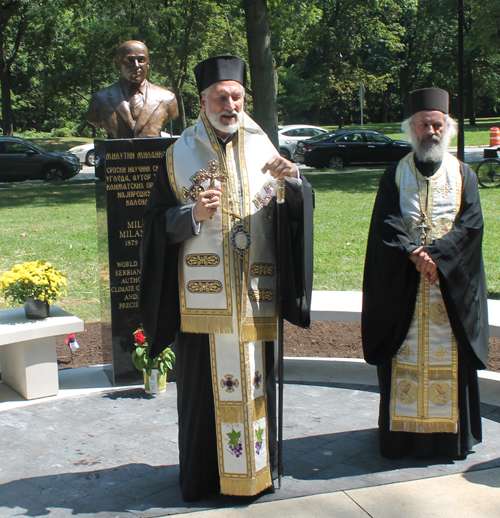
(345, 306)
(336, 306)
(494, 317)
(28, 353)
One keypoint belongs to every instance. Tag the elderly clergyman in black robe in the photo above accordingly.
(208, 281)
(424, 320)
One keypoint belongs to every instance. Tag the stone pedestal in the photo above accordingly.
(125, 174)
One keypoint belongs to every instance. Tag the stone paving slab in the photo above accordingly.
(114, 454)
(471, 494)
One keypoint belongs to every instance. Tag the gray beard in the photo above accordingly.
(218, 125)
(431, 153)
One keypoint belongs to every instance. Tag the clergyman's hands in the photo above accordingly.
(207, 204)
(279, 167)
(424, 264)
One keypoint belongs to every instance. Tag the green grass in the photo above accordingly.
(60, 143)
(490, 200)
(58, 223)
(344, 203)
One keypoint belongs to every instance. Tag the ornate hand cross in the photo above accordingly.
(423, 227)
(213, 173)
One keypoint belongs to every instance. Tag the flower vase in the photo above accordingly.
(36, 309)
(156, 383)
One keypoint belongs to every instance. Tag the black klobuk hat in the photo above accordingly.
(220, 68)
(429, 99)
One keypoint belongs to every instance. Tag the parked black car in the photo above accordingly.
(21, 160)
(341, 148)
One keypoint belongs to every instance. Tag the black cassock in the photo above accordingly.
(160, 317)
(389, 296)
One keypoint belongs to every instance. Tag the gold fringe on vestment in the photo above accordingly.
(259, 408)
(253, 332)
(230, 485)
(417, 426)
(206, 324)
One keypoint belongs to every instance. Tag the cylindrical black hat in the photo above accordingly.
(429, 99)
(220, 68)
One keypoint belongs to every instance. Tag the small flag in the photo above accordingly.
(71, 341)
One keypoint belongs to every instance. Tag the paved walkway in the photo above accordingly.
(113, 453)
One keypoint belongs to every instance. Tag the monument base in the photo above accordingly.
(125, 172)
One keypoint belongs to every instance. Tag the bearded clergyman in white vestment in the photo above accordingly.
(424, 319)
(209, 283)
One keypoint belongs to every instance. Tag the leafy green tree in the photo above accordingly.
(12, 26)
(482, 57)
(55, 53)
(326, 62)
(262, 71)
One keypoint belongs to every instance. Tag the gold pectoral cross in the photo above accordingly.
(423, 227)
(213, 173)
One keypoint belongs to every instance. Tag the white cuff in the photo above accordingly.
(196, 226)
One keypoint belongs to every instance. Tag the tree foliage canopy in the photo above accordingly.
(55, 53)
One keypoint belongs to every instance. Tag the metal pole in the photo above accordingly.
(362, 92)
(461, 135)
(280, 199)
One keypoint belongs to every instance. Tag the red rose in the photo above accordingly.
(139, 337)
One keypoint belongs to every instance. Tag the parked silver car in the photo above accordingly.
(85, 153)
(290, 135)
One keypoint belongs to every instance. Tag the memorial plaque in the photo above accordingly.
(125, 171)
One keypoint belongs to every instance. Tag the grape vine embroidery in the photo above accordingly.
(258, 442)
(235, 445)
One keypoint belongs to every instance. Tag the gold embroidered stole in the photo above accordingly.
(424, 384)
(238, 375)
(205, 287)
(232, 298)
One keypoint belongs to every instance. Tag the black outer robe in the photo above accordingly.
(160, 316)
(390, 286)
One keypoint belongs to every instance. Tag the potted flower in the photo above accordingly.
(36, 284)
(154, 369)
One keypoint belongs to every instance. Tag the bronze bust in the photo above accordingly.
(132, 107)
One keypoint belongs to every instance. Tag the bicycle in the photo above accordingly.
(488, 173)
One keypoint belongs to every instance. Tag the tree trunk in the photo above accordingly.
(405, 90)
(5, 80)
(182, 114)
(180, 106)
(316, 114)
(262, 70)
(469, 79)
(7, 11)
(385, 106)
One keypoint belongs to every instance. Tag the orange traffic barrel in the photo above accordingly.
(494, 136)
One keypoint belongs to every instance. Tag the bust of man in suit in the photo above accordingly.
(132, 107)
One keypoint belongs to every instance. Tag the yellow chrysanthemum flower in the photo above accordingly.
(37, 279)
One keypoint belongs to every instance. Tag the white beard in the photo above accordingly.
(431, 152)
(218, 125)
